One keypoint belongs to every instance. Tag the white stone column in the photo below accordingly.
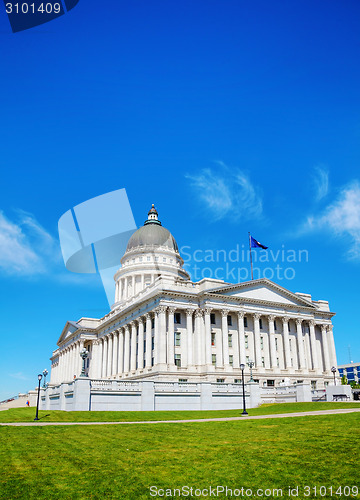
(241, 335)
(256, 318)
(207, 312)
(189, 335)
(325, 348)
(314, 353)
(95, 361)
(300, 342)
(171, 339)
(127, 350)
(133, 347)
(197, 336)
(286, 341)
(225, 337)
(79, 347)
(273, 363)
(331, 342)
(104, 357)
(148, 353)
(115, 352)
(109, 357)
(125, 288)
(162, 336)
(142, 281)
(141, 344)
(121, 352)
(67, 365)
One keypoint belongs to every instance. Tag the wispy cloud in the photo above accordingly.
(227, 191)
(321, 181)
(25, 246)
(18, 376)
(341, 218)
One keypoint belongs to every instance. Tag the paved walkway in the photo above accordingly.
(225, 419)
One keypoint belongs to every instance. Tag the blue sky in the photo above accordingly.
(230, 116)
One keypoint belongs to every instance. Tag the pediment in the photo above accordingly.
(68, 330)
(262, 290)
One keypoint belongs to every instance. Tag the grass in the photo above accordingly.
(122, 462)
(28, 414)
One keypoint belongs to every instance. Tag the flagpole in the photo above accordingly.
(251, 264)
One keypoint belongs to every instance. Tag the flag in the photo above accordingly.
(256, 244)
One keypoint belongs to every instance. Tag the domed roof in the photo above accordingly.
(152, 233)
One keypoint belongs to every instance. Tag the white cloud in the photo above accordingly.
(18, 376)
(227, 191)
(25, 246)
(321, 182)
(341, 218)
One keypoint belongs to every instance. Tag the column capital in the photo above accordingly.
(160, 309)
(224, 312)
(311, 322)
(126, 328)
(298, 321)
(198, 313)
(240, 314)
(285, 319)
(330, 328)
(147, 316)
(171, 309)
(207, 310)
(271, 317)
(189, 312)
(323, 327)
(97, 342)
(141, 320)
(256, 315)
(132, 323)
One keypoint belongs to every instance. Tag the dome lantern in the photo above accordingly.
(152, 216)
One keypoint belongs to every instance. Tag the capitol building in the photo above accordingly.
(165, 328)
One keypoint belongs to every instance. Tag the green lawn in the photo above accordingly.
(28, 414)
(122, 462)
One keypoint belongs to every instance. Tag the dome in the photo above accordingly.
(152, 233)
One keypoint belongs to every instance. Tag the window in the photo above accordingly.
(292, 362)
(278, 362)
(290, 344)
(246, 341)
(164, 259)
(270, 383)
(144, 347)
(263, 362)
(148, 258)
(220, 380)
(260, 324)
(145, 327)
(229, 320)
(182, 380)
(313, 385)
(177, 318)
(231, 360)
(275, 327)
(152, 322)
(133, 260)
(152, 343)
(245, 322)
(178, 360)
(326, 384)
(213, 359)
(247, 359)
(237, 381)
(212, 318)
(177, 339)
(140, 259)
(156, 259)
(152, 361)
(262, 342)
(230, 340)
(276, 344)
(213, 339)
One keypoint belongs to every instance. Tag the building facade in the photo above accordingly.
(164, 327)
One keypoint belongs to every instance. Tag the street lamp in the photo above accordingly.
(334, 370)
(84, 354)
(251, 364)
(242, 368)
(38, 398)
(45, 372)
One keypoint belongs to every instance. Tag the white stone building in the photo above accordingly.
(165, 328)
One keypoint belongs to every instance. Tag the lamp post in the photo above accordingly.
(45, 372)
(242, 368)
(38, 398)
(84, 354)
(334, 370)
(250, 365)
